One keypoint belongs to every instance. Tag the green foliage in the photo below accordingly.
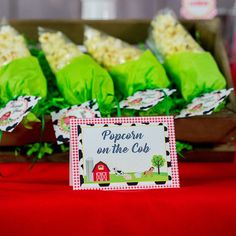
(116, 108)
(40, 150)
(179, 104)
(142, 46)
(2, 104)
(181, 146)
(17, 151)
(220, 107)
(162, 108)
(129, 112)
(158, 161)
(27, 120)
(64, 147)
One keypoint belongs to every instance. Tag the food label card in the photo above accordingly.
(205, 104)
(144, 100)
(123, 153)
(15, 110)
(61, 119)
(198, 9)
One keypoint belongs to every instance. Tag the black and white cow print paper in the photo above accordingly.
(144, 100)
(15, 110)
(205, 104)
(61, 119)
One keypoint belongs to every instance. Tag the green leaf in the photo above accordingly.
(27, 121)
(1, 133)
(17, 151)
(181, 146)
(64, 148)
(45, 149)
(39, 150)
(162, 108)
(220, 107)
(32, 148)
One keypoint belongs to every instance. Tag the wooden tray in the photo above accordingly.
(216, 129)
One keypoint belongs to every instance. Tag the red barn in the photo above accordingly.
(101, 172)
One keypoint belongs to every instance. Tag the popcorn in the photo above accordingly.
(59, 50)
(191, 69)
(107, 50)
(170, 36)
(12, 45)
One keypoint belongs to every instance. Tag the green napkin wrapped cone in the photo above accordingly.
(194, 73)
(140, 74)
(82, 80)
(131, 69)
(20, 73)
(22, 77)
(193, 70)
(79, 77)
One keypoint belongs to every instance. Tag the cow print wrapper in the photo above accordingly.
(144, 100)
(205, 104)
(61, 119)
(15, 110)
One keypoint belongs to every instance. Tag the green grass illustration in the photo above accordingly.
(120, 179)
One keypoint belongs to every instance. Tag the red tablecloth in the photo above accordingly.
(40, 202)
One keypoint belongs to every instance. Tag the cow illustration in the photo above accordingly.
(118, 172)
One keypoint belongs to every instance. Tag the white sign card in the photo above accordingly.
(123, 153)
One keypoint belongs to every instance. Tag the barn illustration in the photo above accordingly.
(101, 172)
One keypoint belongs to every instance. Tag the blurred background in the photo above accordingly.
(113, 9)
(106, 9)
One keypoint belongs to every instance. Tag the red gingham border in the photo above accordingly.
(74, 145)
(74, 153)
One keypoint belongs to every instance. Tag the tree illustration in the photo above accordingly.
(158, 161)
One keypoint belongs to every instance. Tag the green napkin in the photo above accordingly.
(144, 73)
(194, 73)
(22, 76)
(83, 80)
